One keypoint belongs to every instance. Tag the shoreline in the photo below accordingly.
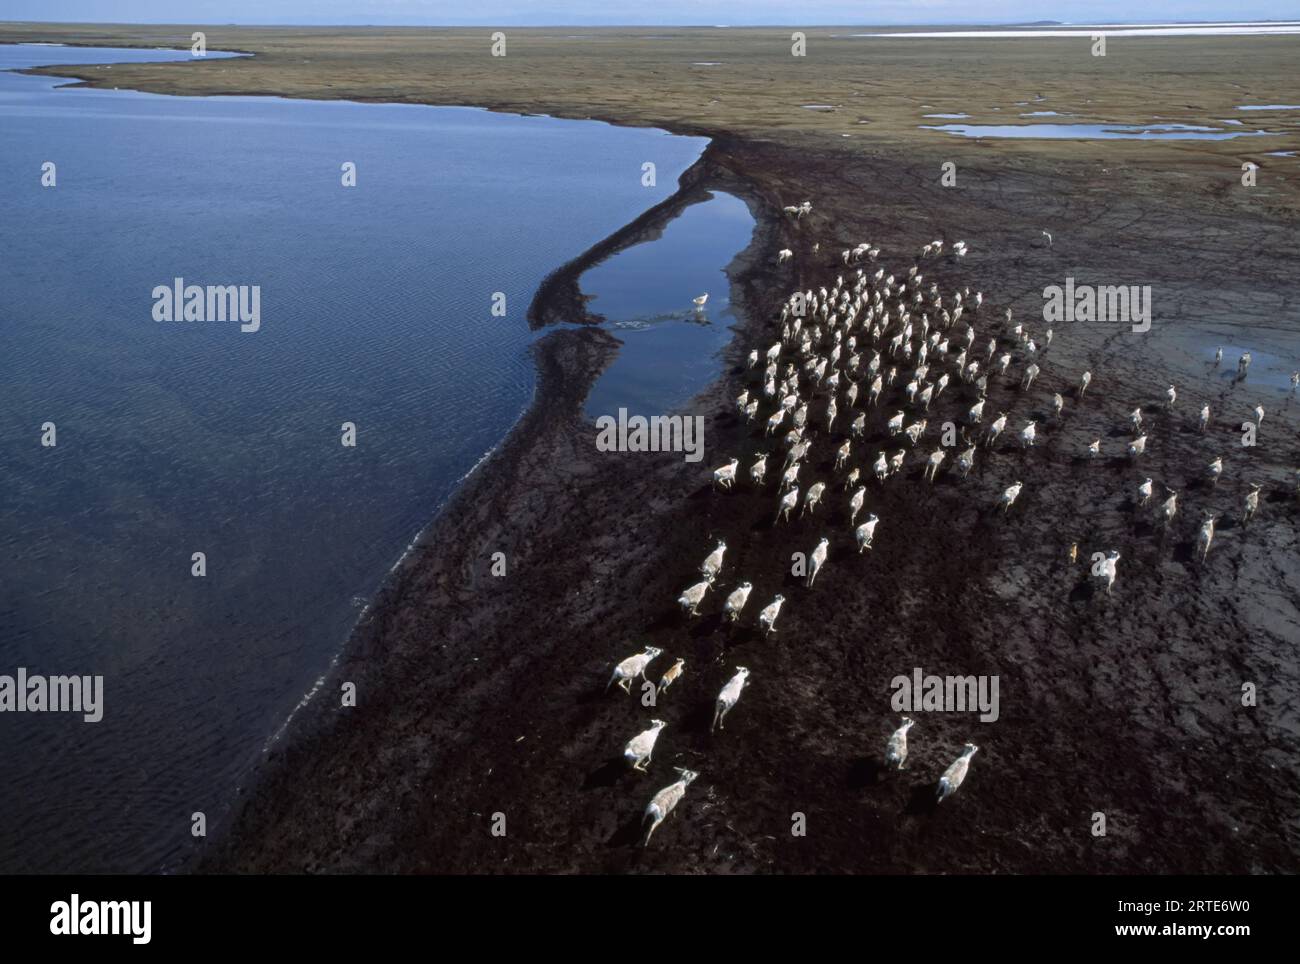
(517, 717)
(559, 294)
(569, 362)
(559, 297)
(480, 695)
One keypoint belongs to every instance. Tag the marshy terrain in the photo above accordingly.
(480, 694)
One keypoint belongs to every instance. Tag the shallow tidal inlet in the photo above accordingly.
(670, 347)
(172, 438)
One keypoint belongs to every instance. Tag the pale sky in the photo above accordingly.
(598, 12)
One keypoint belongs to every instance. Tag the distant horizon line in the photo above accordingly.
(689, 26)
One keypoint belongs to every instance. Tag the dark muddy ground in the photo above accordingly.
(480, 695)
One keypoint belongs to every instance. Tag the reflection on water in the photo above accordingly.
(1267, 369)
(671, 349)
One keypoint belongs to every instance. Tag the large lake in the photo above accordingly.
(182, 437)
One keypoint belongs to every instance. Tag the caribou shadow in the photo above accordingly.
(864, 772)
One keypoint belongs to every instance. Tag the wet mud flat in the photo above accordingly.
(481, 695)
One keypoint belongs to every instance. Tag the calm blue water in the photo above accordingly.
(670, 348)
(181, 437)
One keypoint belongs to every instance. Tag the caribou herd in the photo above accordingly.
(839, 352)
